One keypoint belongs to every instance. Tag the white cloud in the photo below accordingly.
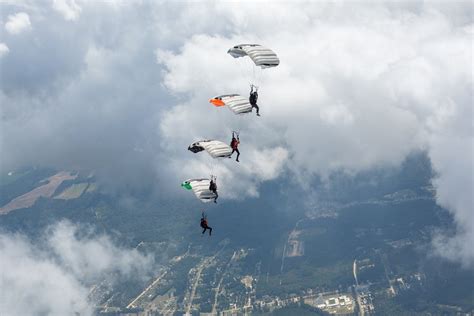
(69, 9)
(4, 50)
(54, 279)
(357, 88)
(452, 156)
(92, 257)
(305, 107)
(18, 23)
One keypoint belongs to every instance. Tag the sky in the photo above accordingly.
(122, 88)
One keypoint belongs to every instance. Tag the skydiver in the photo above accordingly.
(213, 187)
(234, 144)
(253, 98)
(204, 224)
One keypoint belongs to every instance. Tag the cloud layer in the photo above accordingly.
(357, 88)
(123, 90)
(55, 278)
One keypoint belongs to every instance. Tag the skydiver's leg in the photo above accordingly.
(233, 150)
(217, 195)
(254, 105)
(204, 230)
(210, 230)
(238, 154)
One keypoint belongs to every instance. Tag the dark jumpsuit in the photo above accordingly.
(234, 144)
(204, 225)
(213, 188)
(253, 100)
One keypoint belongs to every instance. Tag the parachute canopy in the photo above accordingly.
(236, 103)
(261, 56)
(200, 188)
(215, 148)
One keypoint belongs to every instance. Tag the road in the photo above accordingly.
(214, 309)
(200, 268)
(173, 261)
(205, 263)
(132, 303)
(284, 248)
(354, 271)
(358, 298)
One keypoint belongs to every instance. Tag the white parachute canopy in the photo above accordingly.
(260, 55)
(236, 103)
(215, 148)
(200, 188)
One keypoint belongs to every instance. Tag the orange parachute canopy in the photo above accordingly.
(236, 103)
(217, 102)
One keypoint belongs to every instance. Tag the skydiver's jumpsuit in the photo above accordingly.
(253, 100)
(234, 144)
(204, 225)
(213, 188)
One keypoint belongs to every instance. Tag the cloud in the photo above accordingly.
(4, 50)
(85, 99)
(326, 105)
(357, 88)
(69, 9)
(452, 156)
(124, 90)
(54, 278)
(91, 257)
(18, 23)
